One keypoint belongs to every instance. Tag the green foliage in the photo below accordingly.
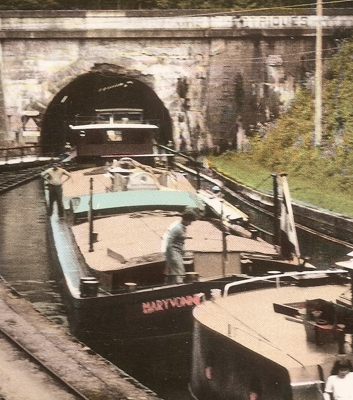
(149, 4)
(114, 4)
(291, 140)
(338, 100)
(318, 185)
(243, 168)
(319, 176)
(30, 4)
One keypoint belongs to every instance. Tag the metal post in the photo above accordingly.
(224, 242)
(198, 176)
(63, 101)
(276, 209)
(90, 215)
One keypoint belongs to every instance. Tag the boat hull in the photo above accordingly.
(144, 313)
(278, 342)
(133, 311)
(236, 371)
(134, 322)
(141, 329)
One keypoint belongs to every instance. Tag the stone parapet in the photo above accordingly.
(89, 24)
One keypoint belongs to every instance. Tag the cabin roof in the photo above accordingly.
(137, 199)
(117, 110)
(112, 126)
(249, 319)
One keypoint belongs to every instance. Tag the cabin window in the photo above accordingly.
(136, 137)
(114, 136)
(128, 136)
(130, 116)
(104, 118)
(90, 137)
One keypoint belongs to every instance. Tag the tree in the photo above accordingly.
(153, 4)
(30, 4)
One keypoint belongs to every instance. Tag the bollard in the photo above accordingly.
(188, 261)
(88, 286)
(277, 278)
(191, 277)
(130, 286)
(216, 293)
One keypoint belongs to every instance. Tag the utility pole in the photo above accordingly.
(318, 76)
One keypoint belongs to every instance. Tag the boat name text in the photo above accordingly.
(174, 302)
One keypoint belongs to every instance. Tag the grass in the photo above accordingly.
(321, 176)
(316, 189)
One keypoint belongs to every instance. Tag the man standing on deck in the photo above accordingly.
(339, 385)
(175, 248)
(53, 178)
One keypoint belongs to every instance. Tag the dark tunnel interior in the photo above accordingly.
(94, 91)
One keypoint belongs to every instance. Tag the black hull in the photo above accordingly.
(246, 370)
(135, 331)
(163, 311)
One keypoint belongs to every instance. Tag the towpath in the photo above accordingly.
(77, 365)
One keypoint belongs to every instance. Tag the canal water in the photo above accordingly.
(25, 261)
(26, 264)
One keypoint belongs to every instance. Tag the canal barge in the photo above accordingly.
(110, 133)
(273, 337)
(110, 248)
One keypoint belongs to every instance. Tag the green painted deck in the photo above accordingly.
(135, 200)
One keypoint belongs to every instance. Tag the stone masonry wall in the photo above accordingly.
(217, 84)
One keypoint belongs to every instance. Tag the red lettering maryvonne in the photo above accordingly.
(146, 308)
(159, 305)
(166, 304)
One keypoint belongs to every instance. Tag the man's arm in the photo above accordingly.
(46, 176)
(328, 389)
(328, 396)
(67, 174)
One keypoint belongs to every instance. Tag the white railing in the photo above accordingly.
(277, 278)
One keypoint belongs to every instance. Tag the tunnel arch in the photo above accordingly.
(105, 86)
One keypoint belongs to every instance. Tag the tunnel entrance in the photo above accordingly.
(98, 90)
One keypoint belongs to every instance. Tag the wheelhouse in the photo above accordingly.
(114, 133)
